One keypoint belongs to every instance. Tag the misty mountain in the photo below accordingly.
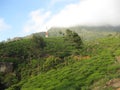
(86, 32)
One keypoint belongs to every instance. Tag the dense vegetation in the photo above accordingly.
(61, 63)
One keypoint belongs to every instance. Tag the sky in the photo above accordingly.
(23, 17)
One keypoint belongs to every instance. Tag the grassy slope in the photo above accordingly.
(101, 67)
(78, 76)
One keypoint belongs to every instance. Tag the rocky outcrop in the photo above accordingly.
(6, 67)
(115, 83)
(118, 59)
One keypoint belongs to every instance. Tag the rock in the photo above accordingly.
(6, 67)
(118, 58)
(118, 89)
(114, 83)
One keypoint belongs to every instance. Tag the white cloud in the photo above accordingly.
(3, 25)
(88, 12)
(36, 21)
(85, 12)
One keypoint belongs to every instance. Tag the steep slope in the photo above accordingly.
(92, 69)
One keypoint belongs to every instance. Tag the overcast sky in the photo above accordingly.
(23, 17)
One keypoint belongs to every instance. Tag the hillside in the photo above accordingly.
(91, 71)
(87, 32)
(55, 63)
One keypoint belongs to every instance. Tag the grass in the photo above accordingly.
(86, 74)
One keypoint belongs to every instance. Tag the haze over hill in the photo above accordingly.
(86, 32)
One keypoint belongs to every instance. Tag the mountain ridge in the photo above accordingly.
(86, 32)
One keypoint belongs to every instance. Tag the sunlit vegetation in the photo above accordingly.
(61, 63)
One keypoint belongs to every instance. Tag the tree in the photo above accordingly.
(74, 39)
(38, 45)
(39, 41)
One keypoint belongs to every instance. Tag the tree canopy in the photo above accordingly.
(74, 39)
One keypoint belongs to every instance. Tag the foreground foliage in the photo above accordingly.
(56, 64)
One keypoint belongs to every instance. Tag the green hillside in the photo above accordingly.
(86, 72)
(61, 63)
